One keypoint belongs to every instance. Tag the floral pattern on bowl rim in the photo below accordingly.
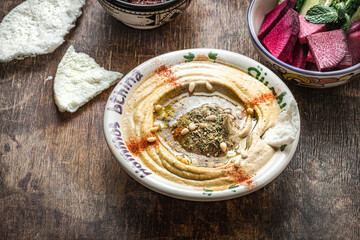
(115, 107)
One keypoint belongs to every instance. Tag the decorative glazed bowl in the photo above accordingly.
(144, 16)
(314, 79)
(114, 115)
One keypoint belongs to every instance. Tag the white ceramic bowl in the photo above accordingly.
(306, 78)
(113, 121)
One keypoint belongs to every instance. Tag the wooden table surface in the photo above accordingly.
(58, 179)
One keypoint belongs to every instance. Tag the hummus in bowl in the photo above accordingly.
(202, 124)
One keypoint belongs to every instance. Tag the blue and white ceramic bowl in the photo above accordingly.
(256, 13)
(144, 16)
(114, 111)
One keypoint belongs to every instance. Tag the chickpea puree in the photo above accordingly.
(200, 124)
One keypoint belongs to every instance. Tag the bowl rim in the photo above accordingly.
(139, 7)
(292, 68)
(160, 186)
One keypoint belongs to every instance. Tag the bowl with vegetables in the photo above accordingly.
(144, 14)
(312, 43)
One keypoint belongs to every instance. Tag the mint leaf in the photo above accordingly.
(321, 14)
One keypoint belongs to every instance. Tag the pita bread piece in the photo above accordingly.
(37, 27)
(78, 79)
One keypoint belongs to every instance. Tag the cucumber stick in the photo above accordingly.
(309, 3)
(356, 16)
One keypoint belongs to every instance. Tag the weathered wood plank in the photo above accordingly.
(58, 180)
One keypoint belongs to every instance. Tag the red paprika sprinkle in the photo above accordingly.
(161, 68)
(135, 145)
(165, 74)
(262, 98)
(239, 175)
(249, 184)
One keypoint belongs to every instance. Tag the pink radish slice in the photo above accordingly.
(311, 66)
(282, 38)
(299, 57)
(346, 62)
(307, 28)
(354, 27)
(309, 57)
(328, 48)
(354, 46)
(274, 16)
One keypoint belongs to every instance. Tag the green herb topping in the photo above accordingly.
(213, 126)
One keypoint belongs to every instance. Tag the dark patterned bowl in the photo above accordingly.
(144, 16)
(313, 79)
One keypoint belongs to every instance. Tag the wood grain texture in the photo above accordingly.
(58, 179)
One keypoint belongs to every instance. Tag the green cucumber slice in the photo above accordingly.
(309, 3)
(356, 16)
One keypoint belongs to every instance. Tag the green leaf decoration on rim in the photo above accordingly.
(256, 73)
(208, 192)
(232, 187)
(212, 56)
(190, 57)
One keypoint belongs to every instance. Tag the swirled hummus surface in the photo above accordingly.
(200, 124)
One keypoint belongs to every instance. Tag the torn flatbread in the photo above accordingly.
(78, 79)
(37, 27)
